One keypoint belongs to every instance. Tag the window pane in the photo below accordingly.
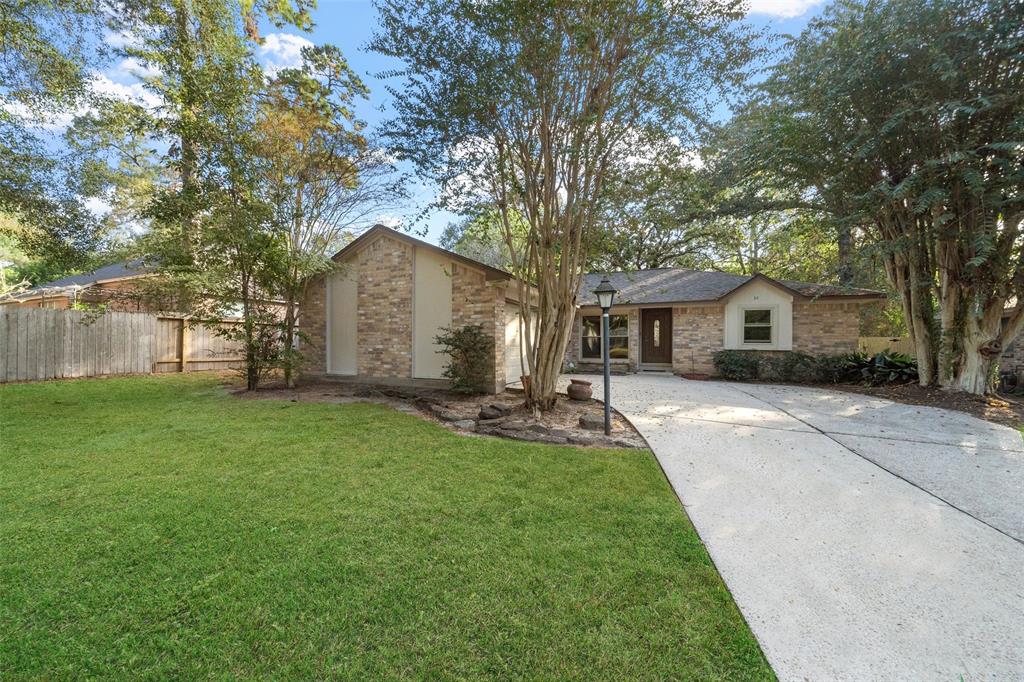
(591, 326)
(757, 316)
(618, 325)
(657, 333)
(619, 347)
(762, 334)
(591, 347)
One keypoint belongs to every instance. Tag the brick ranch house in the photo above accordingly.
(376, 317)
(111, 285)
(677, 319)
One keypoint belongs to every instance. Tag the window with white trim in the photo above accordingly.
(618, 337)
(757, 325)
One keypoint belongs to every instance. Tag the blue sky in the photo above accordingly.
(349, 24)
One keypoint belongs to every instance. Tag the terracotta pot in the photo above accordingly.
(579, 389)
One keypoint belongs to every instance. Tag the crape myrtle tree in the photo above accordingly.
(527, 105)
(907, 118)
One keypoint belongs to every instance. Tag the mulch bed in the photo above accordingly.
(1008, 411)
(500, 415)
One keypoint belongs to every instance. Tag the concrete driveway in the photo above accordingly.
(861, 539)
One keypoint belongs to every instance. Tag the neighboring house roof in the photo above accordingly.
(108, 273)
(492, 273)
(682, 285)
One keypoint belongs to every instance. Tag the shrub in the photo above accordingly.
(471, 358)
(738, 365)
(787, 366)
(881, 368)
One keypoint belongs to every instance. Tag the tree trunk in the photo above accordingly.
(844, 239)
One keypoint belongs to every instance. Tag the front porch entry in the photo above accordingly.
(656, 336)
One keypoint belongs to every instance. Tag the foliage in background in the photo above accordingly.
(44, 74)
(320, 175)
(480, 236)
(470, 354)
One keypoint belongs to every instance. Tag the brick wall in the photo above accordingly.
(384, 301)
(698, 332)
(825, 327)
(313, 324)
(475, 301)
(1012, 359)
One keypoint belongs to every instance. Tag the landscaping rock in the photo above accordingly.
(465, 424)
(494, 411)
(444, 414)
(592, 422)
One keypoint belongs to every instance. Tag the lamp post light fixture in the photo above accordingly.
(605, 297)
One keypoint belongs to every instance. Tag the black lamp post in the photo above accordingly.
(605, 297)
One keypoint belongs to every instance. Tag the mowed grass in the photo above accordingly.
(157, 527)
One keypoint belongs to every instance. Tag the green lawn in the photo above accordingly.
(156, 527)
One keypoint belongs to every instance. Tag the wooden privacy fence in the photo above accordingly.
(876, 344)
(38, 343)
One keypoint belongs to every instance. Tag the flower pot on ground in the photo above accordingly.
(579, 389)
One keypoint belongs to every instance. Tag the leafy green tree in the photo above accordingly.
(323, 179)
(904, 118)
(44, 73)
(480, 236)
(527, 105)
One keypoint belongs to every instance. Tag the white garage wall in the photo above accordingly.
(342, 293)
(431, 310)
(759, 295)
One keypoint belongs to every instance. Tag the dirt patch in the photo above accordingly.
(1009, 412)
(501, 415)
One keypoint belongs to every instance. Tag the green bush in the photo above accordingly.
(738, 365)
(881, 368)
(471, 358)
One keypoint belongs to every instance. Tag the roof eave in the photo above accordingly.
(491, 273)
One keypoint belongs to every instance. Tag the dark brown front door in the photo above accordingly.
(656, 335)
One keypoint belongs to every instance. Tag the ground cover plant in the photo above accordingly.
(157, 527)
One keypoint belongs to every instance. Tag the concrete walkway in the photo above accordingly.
(861, 539)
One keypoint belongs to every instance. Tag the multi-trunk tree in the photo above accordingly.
(906, 119)
(528, 105)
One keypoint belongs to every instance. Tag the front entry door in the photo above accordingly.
(656, 335)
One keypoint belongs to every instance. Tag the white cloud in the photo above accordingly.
(282, 51)
(120, 39)
(98, 206)
(129, 92)
(786, 9)
(133, 68)
(388, 219)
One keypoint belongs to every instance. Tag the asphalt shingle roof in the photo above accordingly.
(129, 268)
(681, 285)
